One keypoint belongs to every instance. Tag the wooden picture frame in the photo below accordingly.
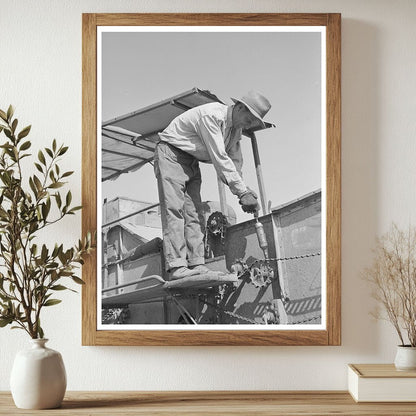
(331, 333)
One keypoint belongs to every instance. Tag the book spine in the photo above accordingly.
(353, 381)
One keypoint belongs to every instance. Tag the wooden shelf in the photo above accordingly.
(318, 403)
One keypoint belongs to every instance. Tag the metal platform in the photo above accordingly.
(200, 281)
(154, 287)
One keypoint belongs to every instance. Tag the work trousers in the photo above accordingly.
(179, 184)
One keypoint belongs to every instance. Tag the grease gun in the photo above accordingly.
(261, 236)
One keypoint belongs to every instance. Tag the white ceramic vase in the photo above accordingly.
(38, 377)
(405, 358)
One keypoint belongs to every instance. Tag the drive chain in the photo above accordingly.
(306, 320)
(236, 315)
(252, 321)
(303, 256)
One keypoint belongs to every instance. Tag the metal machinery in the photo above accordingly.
(271, 264)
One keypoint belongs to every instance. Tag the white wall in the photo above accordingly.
(40, 73)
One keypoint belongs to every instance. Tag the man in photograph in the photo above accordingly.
(209, 133)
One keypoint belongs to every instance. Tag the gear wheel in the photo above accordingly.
(216, 223)
(261, 274)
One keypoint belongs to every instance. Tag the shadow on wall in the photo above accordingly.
(360, 179)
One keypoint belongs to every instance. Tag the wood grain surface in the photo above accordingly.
(89, 173)
(333, 178)
(332, 334)
(380, 371)
(212, 19)
(318, 403)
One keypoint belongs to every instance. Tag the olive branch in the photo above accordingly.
(30, 274)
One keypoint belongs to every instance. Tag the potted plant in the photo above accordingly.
(31, 273)
(393, 277)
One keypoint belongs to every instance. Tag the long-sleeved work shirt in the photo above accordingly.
(206, 132)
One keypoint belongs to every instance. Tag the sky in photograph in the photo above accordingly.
(142, 68)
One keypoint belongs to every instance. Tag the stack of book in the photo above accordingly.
(381, 383)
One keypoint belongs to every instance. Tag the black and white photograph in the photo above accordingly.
(211, 177)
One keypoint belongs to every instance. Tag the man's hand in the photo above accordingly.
(252, 192)
(248, 202)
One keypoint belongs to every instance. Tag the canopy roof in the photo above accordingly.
(128, 141)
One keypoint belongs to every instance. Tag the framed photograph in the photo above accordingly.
(211, 172)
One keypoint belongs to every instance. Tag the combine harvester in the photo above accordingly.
(271, 264)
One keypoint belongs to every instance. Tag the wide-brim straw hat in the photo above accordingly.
(257, 104)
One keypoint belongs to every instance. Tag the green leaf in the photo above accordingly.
(78, 280)
(24, 132)
(3, 115)
(25, 145)
(37, 182)
(59, 287)
(76, 208)
(40, 332)
(34, 249)
(61, 249)
(67, 174)
(54, 145)
(14, 125)
(51, 302)
(63, 150)
(58, 199)
(62, 257)
(49, 152)
(45, 211)
(39, 167)
(55, 251)
(68, 198)
(10, 112)
(56, 185)
(41, 157)
(34, 226)
(66, 273)
(8, 133)
(5, 321)
(33, 187)
(44, 253)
